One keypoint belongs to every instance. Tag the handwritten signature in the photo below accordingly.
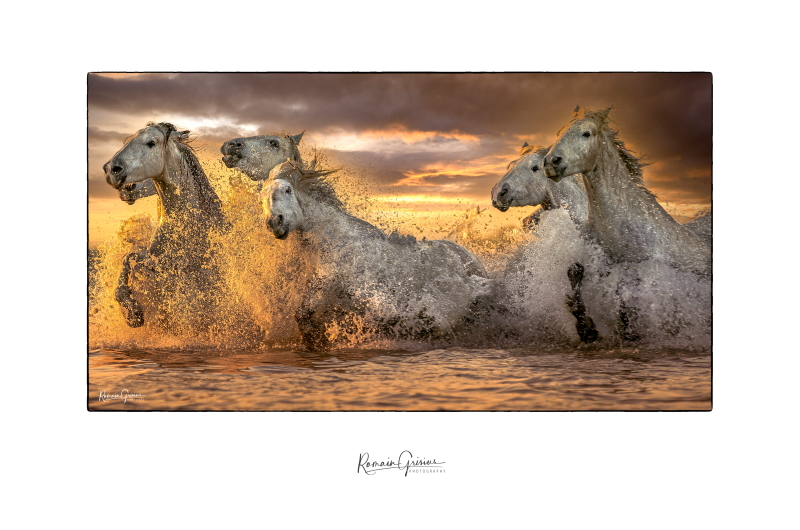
(405, 462)
(124, 395)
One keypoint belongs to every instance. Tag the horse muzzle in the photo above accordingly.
(502, 199)
(275, 223)
(554, 167)
(232, 151)
(116, 173)
(500, 206)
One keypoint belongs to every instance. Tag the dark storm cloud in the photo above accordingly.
(98, 136)
(470, 103)
(662, 116)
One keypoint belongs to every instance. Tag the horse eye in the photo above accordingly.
(535, 169)
(273, 143)
(587, 134)
(151, 143)
(288, 191)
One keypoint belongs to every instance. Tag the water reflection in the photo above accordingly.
(452, 379)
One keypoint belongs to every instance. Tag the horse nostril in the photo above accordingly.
(116, 169)
(556, 160)
(230, 145)
(280, 219)
(503, 191)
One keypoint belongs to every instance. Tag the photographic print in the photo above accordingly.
(399, 241)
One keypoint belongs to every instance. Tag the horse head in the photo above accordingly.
(143, 156)
(280, 201)
(578, 146)
(290, 192)
(525, 183)
(255, 156)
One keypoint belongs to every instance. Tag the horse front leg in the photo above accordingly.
(310, 317)
(628, 316)
(585, 325)
(327, 301)
(131, 310)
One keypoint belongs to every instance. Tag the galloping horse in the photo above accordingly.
(393, 285)
(178, 256)
(624, 219)
(525, 184)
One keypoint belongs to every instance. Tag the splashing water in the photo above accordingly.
(264, 281)
(666, 307)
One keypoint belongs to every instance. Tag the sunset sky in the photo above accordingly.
(428, 140)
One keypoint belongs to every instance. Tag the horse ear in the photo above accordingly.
(166, 128)
(577, 108)
(525, 144)
(605, 112)
(296, 139)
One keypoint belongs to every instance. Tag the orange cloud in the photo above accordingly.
(488, 165)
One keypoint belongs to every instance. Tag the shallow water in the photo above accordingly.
(441, 379)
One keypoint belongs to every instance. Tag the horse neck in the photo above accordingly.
(553, 193)
(184, 199)
(611, 190)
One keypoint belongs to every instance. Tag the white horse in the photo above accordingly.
(525, 184)
(255, 156)
(178, 258)
(363, 279)
(625, 219)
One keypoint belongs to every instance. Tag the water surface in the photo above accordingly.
(441, 379)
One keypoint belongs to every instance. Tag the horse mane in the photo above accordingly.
(528, 149)
(311, 182)
(538, 149)
(209, 201)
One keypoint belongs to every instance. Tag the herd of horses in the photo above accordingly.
(407, 287)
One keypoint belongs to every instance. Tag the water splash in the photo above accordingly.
(264, 281)
(666, 308)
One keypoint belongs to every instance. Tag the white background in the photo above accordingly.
(733, 467)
